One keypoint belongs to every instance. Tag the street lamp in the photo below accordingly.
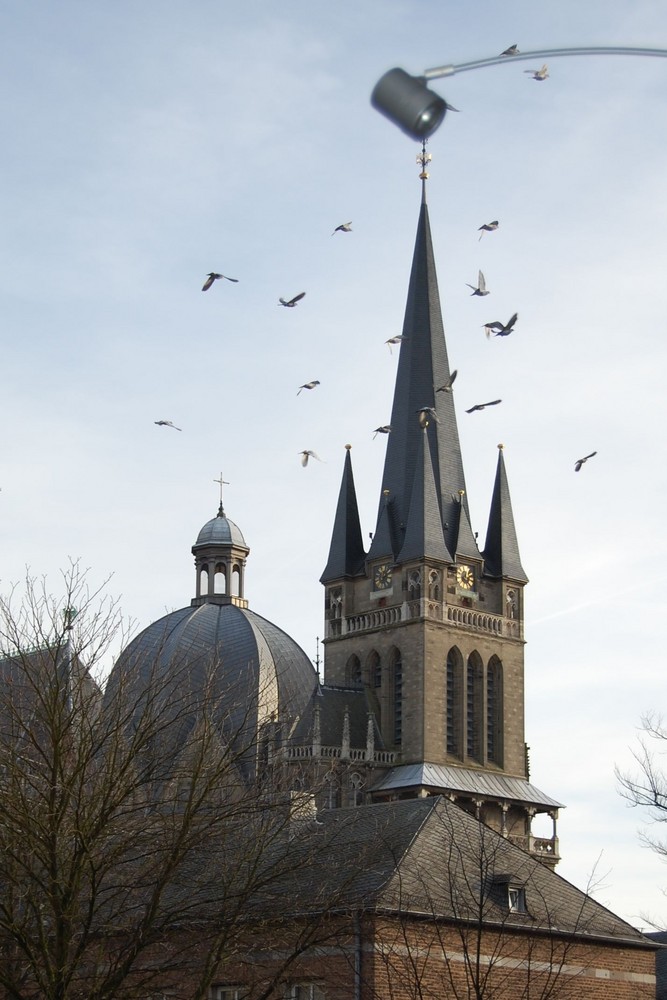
(407, 102)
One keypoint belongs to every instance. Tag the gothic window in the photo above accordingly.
(397, 699)
(474, 674)
(374, 670)
(356, 789)
(454, 680)
(332, 791)
(220, 580)
(414, 585)
(335, 603)
(434, 585)
(353, 672)
(494, 711)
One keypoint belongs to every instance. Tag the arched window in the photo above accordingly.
(454, 702)
(353, 672)
(236, 581)
(332, 790)
(474, 695)
(494, 711)
(356, 789)
(203, 580)
(414, 585)
(434, 585)
(396, 670)
(220, 579)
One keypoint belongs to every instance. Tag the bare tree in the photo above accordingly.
(646, 785)
(141, 830)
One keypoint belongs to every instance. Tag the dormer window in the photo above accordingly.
(516, 898)
(508, 893)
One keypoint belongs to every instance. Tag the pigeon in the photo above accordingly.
(394, 340)
(481, 406)
(580, 461)
(306, 454)
(447, 386)
(345, 227)
(214, 276)
(308, 385)
(385, 429)
(292, 302)
(501, 329)
(167, 423)
(513, 50)
(488, 227)
(539, 74)
(480, 288)
(424, 413)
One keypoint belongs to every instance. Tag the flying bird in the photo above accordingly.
(214, 276)
(306, 454)
(488, 227)
(501, 329)
(481, 406)
(424, 413)
(167, 423)
(447, 386)
(292, 302)
(395, 340)
(308, 385)
(480, 287)
(385, 429)
(345, 227)
(513, 50)
(539, 74)
(580, 461)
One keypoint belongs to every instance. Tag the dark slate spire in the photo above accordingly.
(423, 531)
(501, 552)
(423, 366)
(466, 543)
(346, 552)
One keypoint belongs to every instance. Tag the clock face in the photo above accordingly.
(465, 577)
(382, 577)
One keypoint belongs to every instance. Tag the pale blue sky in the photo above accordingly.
(147, 142)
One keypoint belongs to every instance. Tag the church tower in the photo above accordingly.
(429, 626)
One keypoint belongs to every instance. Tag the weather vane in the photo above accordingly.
(222, 482)
(422, 159)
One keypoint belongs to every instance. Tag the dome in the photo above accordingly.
(220, 531)
(222, 657)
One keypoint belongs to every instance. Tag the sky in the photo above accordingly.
(148, 143)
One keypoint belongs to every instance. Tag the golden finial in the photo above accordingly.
(501, 446)
(422, 159)
(385, 493)
(348, 447)
(462, 493)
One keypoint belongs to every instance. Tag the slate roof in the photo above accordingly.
(220, 530)
(424, 857)
(464, 779)
(332, 702)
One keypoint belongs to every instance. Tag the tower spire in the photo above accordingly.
(423, 367)
(346, 552)
(501, 551)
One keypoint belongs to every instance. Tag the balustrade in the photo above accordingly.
(468, 618)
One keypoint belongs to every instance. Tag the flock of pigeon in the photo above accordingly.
(495, 327)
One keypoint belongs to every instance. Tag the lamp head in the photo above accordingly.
(407, 102)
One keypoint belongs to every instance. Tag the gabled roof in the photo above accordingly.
(346, 552)
(501, 551)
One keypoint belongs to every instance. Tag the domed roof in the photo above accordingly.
(220, 531)
(226, 657)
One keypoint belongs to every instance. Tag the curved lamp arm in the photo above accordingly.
(407, 102)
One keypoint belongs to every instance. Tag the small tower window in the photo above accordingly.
(356, 789)
(220, 580)
(236, 581)
(203, 580)
(414, 585)
(434, 585)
